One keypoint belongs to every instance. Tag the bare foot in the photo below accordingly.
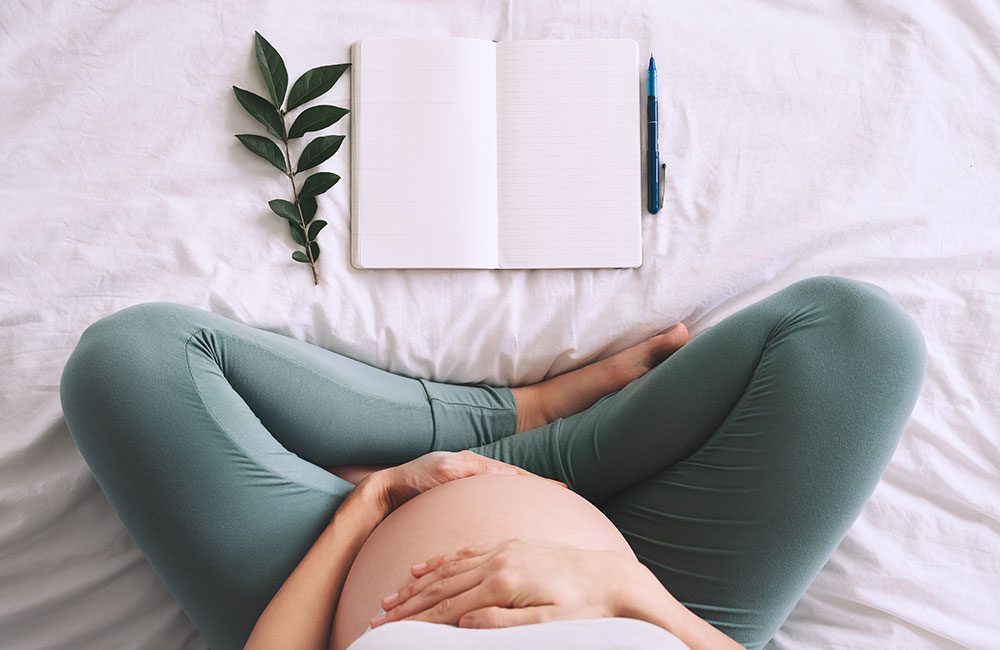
(572, 392)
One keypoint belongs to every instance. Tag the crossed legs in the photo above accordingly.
(733, 468)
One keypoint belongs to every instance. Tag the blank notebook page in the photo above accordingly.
(569, 160)
(425, 153)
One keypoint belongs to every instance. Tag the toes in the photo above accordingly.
(669, 342)
(679, 332)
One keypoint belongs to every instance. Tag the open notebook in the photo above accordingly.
(468, 153)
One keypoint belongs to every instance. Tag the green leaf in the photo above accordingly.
(308, 206)
(314, 248)
(297, 234)
(262, 111)
(315, 227)
(285, 210)
(314, 83)
(272, 68)
(316, 118)
(265, 148)
(317, 151)
(299, 256)
(318, 183)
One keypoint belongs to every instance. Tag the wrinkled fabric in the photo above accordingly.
(733, 469)
(800, 139)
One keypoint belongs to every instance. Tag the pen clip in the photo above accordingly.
(663, 179)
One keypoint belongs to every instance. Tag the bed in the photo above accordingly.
(801, 138)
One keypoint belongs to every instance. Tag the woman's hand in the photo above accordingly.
(517, 582)
(397, 485)
(520, 582)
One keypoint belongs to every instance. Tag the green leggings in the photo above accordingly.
(733, 468)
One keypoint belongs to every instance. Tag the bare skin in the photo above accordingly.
(307, 612)
(571, 392)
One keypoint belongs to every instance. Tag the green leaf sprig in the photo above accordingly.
(308, 87)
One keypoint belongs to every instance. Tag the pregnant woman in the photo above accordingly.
(291, 497)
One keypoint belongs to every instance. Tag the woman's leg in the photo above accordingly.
(736, 467)
(209, 437)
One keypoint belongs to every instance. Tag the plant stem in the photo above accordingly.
(295, 192)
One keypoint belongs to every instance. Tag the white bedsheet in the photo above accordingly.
(851, 138)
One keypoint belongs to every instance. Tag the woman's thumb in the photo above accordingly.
(506, 617)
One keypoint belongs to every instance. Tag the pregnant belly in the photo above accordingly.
(485, 509)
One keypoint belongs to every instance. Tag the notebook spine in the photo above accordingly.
(355, 119)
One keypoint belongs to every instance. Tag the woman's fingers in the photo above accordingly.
(424, 568)
(443, 571)
(484, 464)
(398, 484)
(441, 601)
(479, 464)
(507, 617)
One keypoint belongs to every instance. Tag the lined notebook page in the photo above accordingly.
(424, 154)
(569, 160)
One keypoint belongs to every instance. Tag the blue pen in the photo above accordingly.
(652, 140)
